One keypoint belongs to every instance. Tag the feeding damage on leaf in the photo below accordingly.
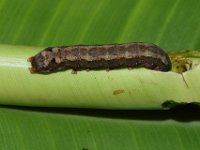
(117, 92)
(169, 104)
(184, 60)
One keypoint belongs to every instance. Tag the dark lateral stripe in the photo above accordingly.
(101, 57)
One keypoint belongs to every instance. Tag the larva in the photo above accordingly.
(81, 57)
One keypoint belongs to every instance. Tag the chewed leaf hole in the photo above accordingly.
(169, 104)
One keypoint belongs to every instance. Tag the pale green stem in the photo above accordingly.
(116, 89)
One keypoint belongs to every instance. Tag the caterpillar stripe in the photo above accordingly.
(82, 57)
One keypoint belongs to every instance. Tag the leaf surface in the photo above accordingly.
(173, 25)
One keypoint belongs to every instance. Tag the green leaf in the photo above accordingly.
(173, 25)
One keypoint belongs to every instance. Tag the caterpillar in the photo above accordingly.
(80, 57)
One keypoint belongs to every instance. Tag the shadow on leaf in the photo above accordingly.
(182, 113)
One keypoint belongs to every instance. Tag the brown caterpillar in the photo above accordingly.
(100, 57)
